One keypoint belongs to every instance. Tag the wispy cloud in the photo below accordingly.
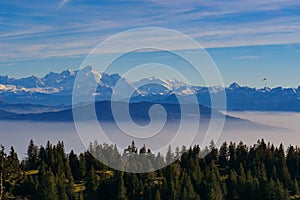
(49, 31)
(62, 3)
(249, 57)
(25, 33)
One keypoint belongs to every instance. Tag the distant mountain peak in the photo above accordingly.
(57, 88)
(87, 68)
(68, 72)
(265, 89)
(234, 85)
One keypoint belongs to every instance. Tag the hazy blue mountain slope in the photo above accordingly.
(55, 89)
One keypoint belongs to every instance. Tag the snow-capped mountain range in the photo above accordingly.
(56, 89)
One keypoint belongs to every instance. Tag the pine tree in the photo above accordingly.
(295, 187)
(213, 183)
(61, 189)
(232, 185)
(9, 172)
(168, 188)
(121, 190)
(26, 188)
(132, 184)
(169, 155)
(282, 169)
(223, 155)
(241, 180)
(32, 156)
(177, 153)
(75, 166)
(157, 195)
(249, 187)
(91, 180)
(232, 156)
(282, 194)
(47, 188)
(187, 190)
(82, 166)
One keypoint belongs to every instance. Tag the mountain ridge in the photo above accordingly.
(56, 89)
(138, 111)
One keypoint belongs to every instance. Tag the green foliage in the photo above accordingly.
(47, 187)
(91, 180)
(32, 156)
(230, 172)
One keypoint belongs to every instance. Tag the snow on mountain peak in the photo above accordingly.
(3, 87)
(34, 89)
(234, 85)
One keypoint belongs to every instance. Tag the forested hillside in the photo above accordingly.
(233, 171)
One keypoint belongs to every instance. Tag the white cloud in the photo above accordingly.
(80, 28)
(62, 3)
(250, 57)
(24, 33)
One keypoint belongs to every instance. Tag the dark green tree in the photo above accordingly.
(121, 190)
(92, 182)
(32, 156)
(47, 187)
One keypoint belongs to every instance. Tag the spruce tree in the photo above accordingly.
(61, 189)
(157, 195)
(75, 166)
(187, 189)
(91, 180)
(47, 188)
(223, 155)
(121, 190)
(32, 156)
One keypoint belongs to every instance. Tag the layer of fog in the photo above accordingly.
(279, 128)
(286, 128)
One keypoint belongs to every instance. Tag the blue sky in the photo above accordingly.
(248, 40)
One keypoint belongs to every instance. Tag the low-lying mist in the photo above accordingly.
(275, 127)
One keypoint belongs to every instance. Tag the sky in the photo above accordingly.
(248, 40)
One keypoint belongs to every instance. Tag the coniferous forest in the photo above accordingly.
(233, 171)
